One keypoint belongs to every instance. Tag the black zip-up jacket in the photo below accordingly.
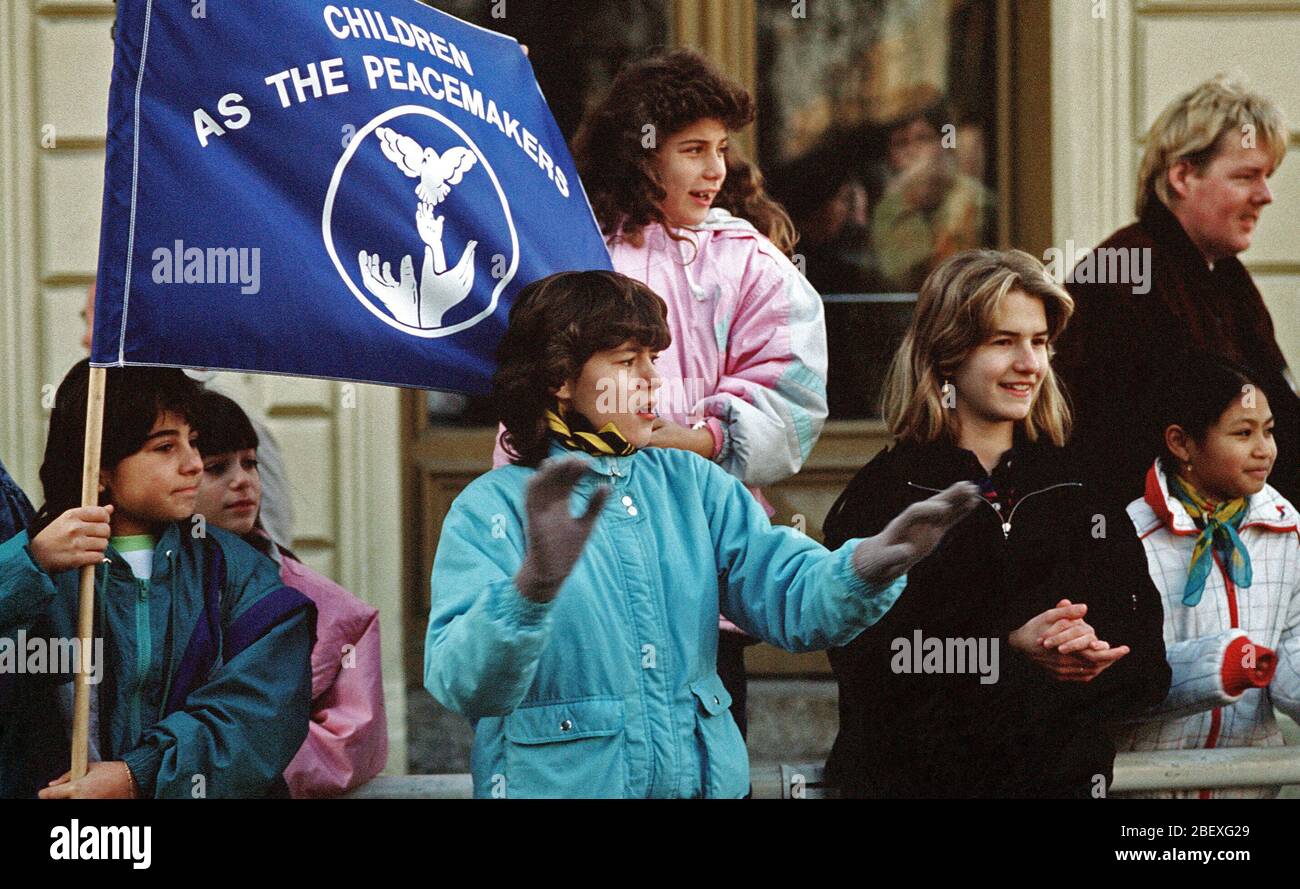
(947, 734)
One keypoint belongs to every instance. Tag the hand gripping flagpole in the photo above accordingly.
(86, 610)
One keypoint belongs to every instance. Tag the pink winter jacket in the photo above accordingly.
(749, 344)
(347, 741)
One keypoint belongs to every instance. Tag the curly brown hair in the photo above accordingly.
(556, 324)
(620, 173)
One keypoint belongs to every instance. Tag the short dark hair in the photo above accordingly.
(222, 425)
(556, 324)
(1196, 393)
(134, 398)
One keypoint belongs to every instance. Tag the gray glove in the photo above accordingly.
(555, 538)
(913, 534)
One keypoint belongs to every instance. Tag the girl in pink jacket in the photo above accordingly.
(347, 740)
(744, 381)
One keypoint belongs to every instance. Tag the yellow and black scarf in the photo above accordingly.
(578, 435)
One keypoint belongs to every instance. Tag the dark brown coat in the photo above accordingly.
(1121, 348)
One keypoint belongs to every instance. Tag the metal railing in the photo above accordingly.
(1155, 770)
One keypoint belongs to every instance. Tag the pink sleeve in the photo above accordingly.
(347, 740)
(771, 394)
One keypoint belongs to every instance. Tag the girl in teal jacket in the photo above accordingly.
(200, 668)
(575, 601)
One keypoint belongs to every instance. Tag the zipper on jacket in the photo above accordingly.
(1005, 521)
(1216, 715)
(143, 646)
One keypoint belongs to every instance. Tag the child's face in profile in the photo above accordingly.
(692, 167)
(1238, 452)
(158, 483)
(617, 386)
(230, 493)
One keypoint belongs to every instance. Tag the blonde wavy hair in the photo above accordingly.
(956, 310)
(1193, 126)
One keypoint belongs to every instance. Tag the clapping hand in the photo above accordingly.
(1059, 641)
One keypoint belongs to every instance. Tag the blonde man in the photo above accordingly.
(1202, 187)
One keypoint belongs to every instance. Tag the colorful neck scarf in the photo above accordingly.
(1218, 526)
(578, 435)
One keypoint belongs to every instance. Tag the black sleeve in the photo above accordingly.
(865, 507)
(860, 511)
(842, 514)
(1132, 615)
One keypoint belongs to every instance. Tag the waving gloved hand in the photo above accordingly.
(913, 534)
(555, 538)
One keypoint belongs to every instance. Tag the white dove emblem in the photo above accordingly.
(437, 172)
(422, 303)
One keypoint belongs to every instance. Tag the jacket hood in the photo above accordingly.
(687, 245)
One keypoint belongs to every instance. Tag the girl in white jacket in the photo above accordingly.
(1224, 550)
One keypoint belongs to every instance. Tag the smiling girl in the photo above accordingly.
(744, 377)
(206, 674)
(744, 380)
(1052, 583)
(574, 603)
(347, 742)
(1224, 551)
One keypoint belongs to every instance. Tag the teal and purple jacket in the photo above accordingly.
(205, 682)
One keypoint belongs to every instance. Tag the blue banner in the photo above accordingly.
(354, 191)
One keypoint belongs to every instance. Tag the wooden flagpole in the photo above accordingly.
(86, 610)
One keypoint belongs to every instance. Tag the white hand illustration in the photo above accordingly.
(440, 288)
(424, 303)
(401, 298)
(430, 228)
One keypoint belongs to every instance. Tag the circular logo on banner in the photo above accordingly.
(416, 268)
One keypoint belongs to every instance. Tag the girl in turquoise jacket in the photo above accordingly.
(575, 601)
(200, 665)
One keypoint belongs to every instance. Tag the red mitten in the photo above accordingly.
(1247, 665)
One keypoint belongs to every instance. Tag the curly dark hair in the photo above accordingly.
(669, 92)
(556, 324)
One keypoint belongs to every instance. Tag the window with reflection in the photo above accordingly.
(876, 130)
